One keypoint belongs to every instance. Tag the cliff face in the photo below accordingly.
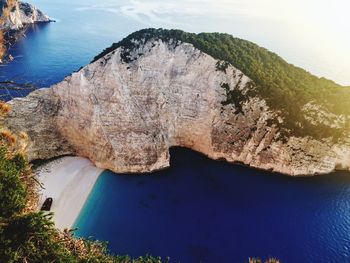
(124, 115)
(15, 15)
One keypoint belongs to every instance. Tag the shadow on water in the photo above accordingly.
(201, 210)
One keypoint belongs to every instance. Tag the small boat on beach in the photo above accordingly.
(47, 204)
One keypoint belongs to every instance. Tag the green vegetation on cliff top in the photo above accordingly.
(286, 88)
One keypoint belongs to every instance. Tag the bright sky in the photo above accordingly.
(313, 34)
(318, 16)
(332, 14)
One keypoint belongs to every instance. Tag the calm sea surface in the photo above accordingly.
(201, 210)
(198, 210)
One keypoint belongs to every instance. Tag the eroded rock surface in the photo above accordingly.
(17, 14)
(125, 115)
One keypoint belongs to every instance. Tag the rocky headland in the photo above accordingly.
(15, 16)
(147, 94)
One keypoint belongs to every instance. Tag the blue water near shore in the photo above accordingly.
(201, 210)
(198, 210)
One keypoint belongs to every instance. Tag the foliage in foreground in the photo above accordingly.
(29, 236)
(5, 10)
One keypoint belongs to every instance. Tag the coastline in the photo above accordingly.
(69, 181)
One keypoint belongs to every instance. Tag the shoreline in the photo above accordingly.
(69, 181)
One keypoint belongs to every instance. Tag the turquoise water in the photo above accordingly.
(201, 210)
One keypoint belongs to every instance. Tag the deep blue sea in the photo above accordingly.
(201, 210)
(198, 210)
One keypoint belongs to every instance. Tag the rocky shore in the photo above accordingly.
(15, 17)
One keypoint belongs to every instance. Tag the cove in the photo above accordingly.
(200, 210)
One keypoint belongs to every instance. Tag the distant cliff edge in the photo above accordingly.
(14, 17)
(219, 95)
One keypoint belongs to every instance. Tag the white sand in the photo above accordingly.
(69, 181)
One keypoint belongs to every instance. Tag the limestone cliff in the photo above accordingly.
(15, 15)
(125, 110)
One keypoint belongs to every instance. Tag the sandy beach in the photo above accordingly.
(69, 181)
